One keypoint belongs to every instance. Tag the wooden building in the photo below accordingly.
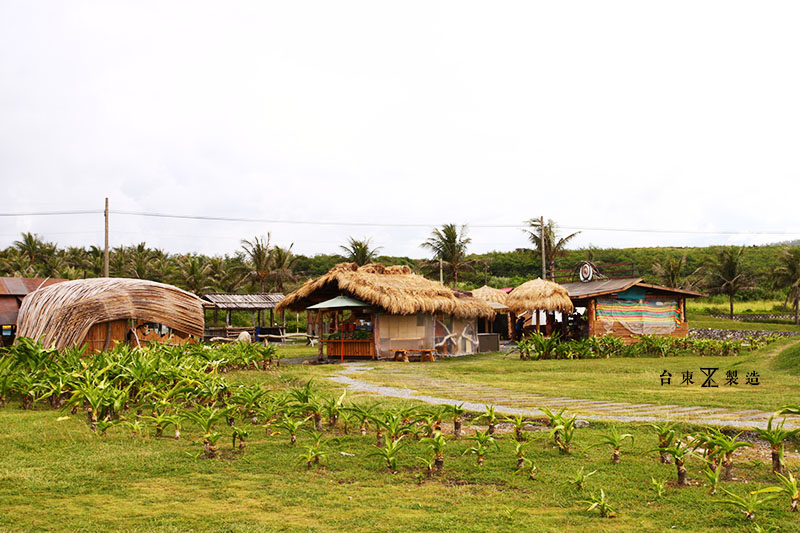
(12, 291)
(256, 304)
(99, 312)
(629, 307)
(375, 311)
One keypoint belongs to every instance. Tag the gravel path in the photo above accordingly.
(476, 397)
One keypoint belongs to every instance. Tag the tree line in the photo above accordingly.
(755, 272)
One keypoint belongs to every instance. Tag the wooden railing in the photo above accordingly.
(349, 348)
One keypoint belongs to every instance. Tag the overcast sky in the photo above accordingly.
(632, 115)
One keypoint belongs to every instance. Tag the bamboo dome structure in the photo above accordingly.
(540, 295)
(101, 310)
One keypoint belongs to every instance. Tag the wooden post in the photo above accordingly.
(537, 321)
(542, 243)
(215, 316)
(319, 335)
(105, 251)
(271, 317)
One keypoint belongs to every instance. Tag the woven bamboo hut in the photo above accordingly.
(101, 311)
(538, 296)
(387, 310)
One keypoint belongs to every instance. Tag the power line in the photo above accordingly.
(386, 224)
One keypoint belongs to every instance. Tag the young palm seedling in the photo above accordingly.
(519, 452)
(527, 466)
(600, 502)
(580, 477)
(458, 412)
(726, 446)
(659, 486)
(241, 434)
(518, 422)
(680, 451)
(362, 415)
(491, 418)
(665, 433)
(482, 443)
(389, 453)
(775, 435)
(563, 435)
(205, 418)
(788, 486)
(712, 475)
(748, 505)
(437, 444)
(614, 439)
(292, 426)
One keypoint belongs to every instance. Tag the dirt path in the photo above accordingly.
(476, 397)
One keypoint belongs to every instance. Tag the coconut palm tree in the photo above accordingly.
(30, 246)
(437, 444)
(258, 262)
(775, 435)
(554, 246)
(193, 274)
(359, 251)
(282, 266)
(670, 272)
(726, 273)
(449, 245)
(787, 276)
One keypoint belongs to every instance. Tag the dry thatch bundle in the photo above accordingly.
(62, 314)
(490, 294)
(395, 289)
(540, 295)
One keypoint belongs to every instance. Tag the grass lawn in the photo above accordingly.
(624, 379)
(56, 475)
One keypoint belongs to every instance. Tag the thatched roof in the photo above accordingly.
(490, 294)
(63, 313)
(540, 295)
(394, 289)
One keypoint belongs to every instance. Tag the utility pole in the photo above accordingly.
(105, 252)
(542, 245)
(441, 273)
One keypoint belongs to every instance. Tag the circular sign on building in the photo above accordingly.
(586, 272)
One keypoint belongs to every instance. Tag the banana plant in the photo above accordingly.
(775, 435)
(437, 444)
(389, 453)
(749, 504)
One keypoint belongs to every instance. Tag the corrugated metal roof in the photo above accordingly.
(22, 286)
(591, 289)
(245, 301)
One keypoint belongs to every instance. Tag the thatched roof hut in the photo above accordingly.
(540, 295)
(61, 315)
(490, 294)
(394, 289)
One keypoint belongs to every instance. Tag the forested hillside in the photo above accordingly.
(259, 266)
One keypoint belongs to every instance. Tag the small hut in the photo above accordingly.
(12, 291)
(629, 307)
(539, 296)
(497, 300)
(375, 311)
(101, 311)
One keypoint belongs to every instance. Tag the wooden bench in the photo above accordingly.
(422, 354)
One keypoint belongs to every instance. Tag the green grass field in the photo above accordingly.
(56, 475)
